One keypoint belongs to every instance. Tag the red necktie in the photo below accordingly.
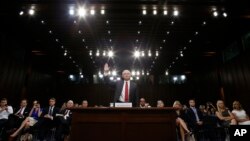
(126, 92)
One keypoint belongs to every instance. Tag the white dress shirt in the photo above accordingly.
(5, 113)
(122, 97)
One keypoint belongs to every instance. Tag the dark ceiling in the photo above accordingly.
(195, 33)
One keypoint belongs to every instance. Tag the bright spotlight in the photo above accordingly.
(142, 54)
(101, 75)
(215, 13)
(149, 53)
(21, 13)
(104, 53)
(71, 12)
(224, 14)
(118, 78)
(138, 73)
(165, 12)
(90, 53)
(154, 12)
(102, 11)
(157, 53)
(31, 12)
(137, 78)
(65, 54)
(114, 73)
(110, 53)
(176, 13)
(131, 78)
(183, 77)
(92, 12)
(81, 76)
(82, 12)
(181, 55)
(133, 73)
(166, 73)
(137, 54)
(97, 53)
(144, 12)
(175, 78)
(111, 78)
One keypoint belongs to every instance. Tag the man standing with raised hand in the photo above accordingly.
(126, 90)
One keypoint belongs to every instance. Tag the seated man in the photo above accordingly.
(143, 103)
(63, 120)
(47, 119)
(5, 111)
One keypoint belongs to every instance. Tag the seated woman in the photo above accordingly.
(179, 120)
(160, 104)
(29, 121)
(225, 116)
(240, 114)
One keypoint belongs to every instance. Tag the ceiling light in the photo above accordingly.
(65, 54)
(175, 78)
(62, 47)
(42, 21)
(57, 40)
(97, 53)
(190, 41)
(90, 53)
(79, 31)
(21, 13)
(74, 21)
(138, 32)
(104, 53)
(154, 12)
(165, 12)
(157, 53)
(140, 22)
(110, 40)
(181, 55)
(142, 54)
(136, 54)
(166, 73)
(168, 32)
(109, 32)
(118, 78)
(137, 78)
(31, 12)
(144, 12)
(172, 22)
(110, 53)
(102, 11)
(83, 40)
(149, 53)
(133, 73)
(82, 12)
(114, 73)
(92, 12)
(184, 48)
(215, 13)
(107, 22)
(111, 78)
(224, 14)
(176, 13)
(138, 73)
(196, 33)
(131, 78)
(71, 12)
(183, 77)
(204, 23)
(164, 41)
(81, 76)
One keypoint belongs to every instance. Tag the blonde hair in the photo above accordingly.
(217, 105)
(177, 102)
(237, 102)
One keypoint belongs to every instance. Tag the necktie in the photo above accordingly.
(126, 92)
(50, 111)
(196, 114)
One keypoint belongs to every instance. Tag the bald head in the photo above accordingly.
(126, 75)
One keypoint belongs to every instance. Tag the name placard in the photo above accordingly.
(122, 104)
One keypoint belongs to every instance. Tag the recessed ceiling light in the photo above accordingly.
(31, 12)
(21, 13)
(204, 23)
(42, 21)
(107, 22)
(176, 13)
(224, 14)
(144, 12)
(165, 12)
(215, 13)
(140, 22)
(102, 11)
(154, 12)
(71, 12)
(92, 12)
(82, 12)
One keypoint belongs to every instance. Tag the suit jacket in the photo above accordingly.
(191, 119)
(68, 119)
(46, 111)
(133, 95)
(25, 112)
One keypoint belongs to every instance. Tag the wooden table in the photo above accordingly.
(123, 124)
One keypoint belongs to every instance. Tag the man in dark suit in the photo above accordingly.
(63, 120)
(18, 115)
(194, 118)
(47, 119)
(126, 90)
